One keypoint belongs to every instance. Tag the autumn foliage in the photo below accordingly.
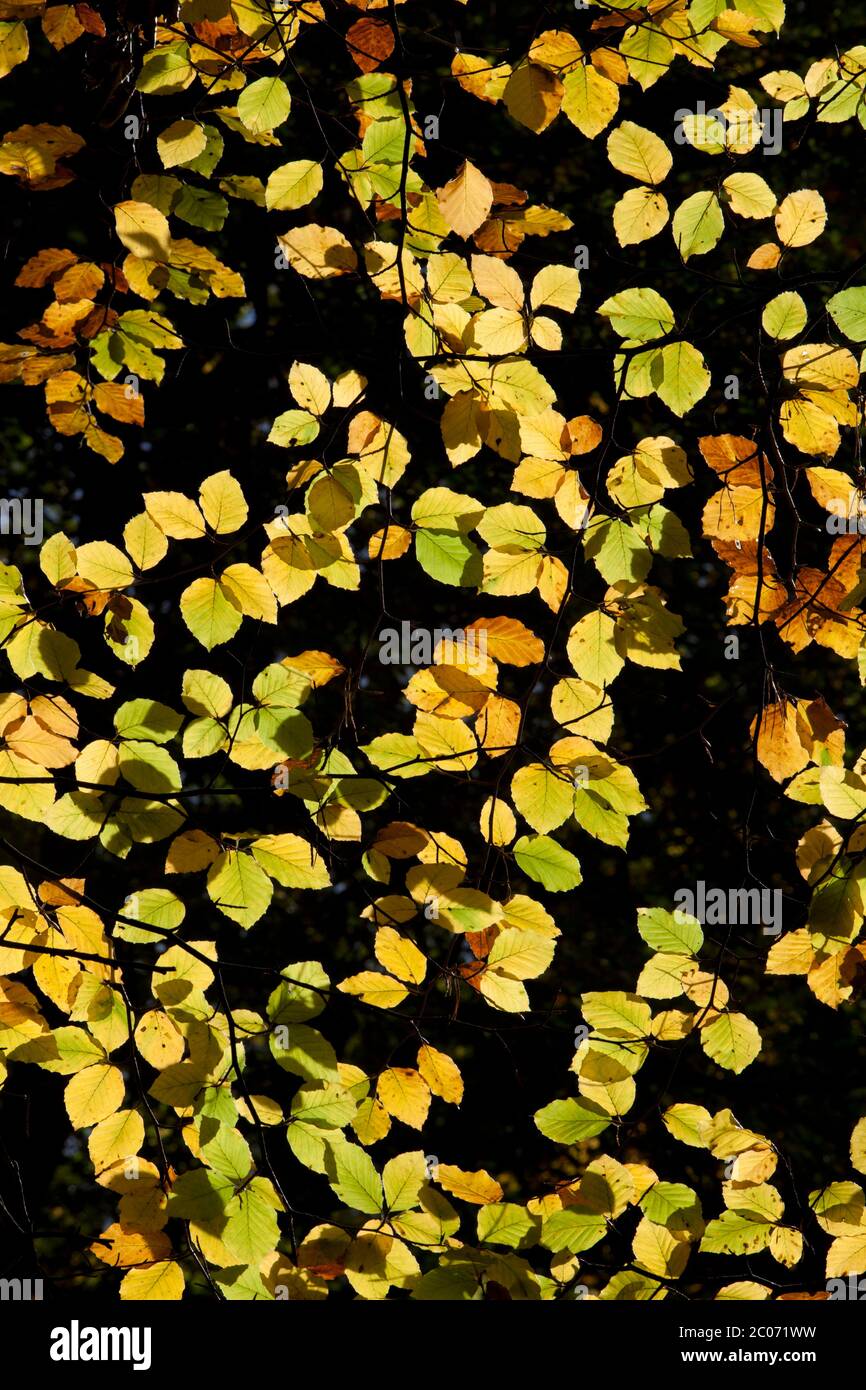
(325, 746)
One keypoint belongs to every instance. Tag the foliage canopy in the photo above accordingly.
(359, 969)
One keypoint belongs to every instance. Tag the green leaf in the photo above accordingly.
(239, 887)
(673, 1205)
(698, 224)
(291, 861)
(166, 70)
(572, 1230)
(673, 932)
(732, 1040)
(146, 719)
(648, 53)
(65, 1050)
(293, 427)
(200, 1195)
(617, 549)
(264, 104)
(785, 316)
(293, 185)
(544, 798)
(292, 1001)
(201, 208)
(547, 863)
(638, 314)
(736, 1233)
(251, 1231)
(403, 1177)
(209, 613)
(506, 1223)
(680, 377)
(357, 1183)
(148, 767)
(304, 1052)
(228, 1153)
(571, 1121)
(449, 557)
(384, 141)
(848, 311)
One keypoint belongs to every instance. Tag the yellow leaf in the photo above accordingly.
(158, 1039)
(640, 214)
(657, 1250)
(497, 822)
(478, 1187)
(556, 49)
(318, 253)
(555, 287)
(466, 200)
(389, 543)
(61, 25)
(30, 739)
(750, 195)
(451, 691)
(521, 955)
(405, 1095)
(544, 798)
(373, 988)
(847, 1255)
(179, 143)
(175, 514)
(145, 541)
(123, 1247)
(638, 153)
(786, 1246)
(533, 96)
(162, 1281)
(508, 640)
(461, 428)
(191, 852)
(208, 612)
(400, 956)
(103, 566)
(503, 992)
(143, 230)
(592, 649)
(249, 591)
(498, 725)
(441, 1074)
(447, 743)
(641, 478)
(497, 282)
(14, 45)
(310, 387)
(293, 185)
(510, 572)
(93, 1094)
(801, 218)
(480, 77)
(784, 739)
(553, 581)
(590, 99)
(223, 503)
(119, 1136)
(764, 257)
(318, 667)
(732, 1040)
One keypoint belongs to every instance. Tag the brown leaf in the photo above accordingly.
(370, 42)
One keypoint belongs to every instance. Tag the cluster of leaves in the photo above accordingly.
(470, 921)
